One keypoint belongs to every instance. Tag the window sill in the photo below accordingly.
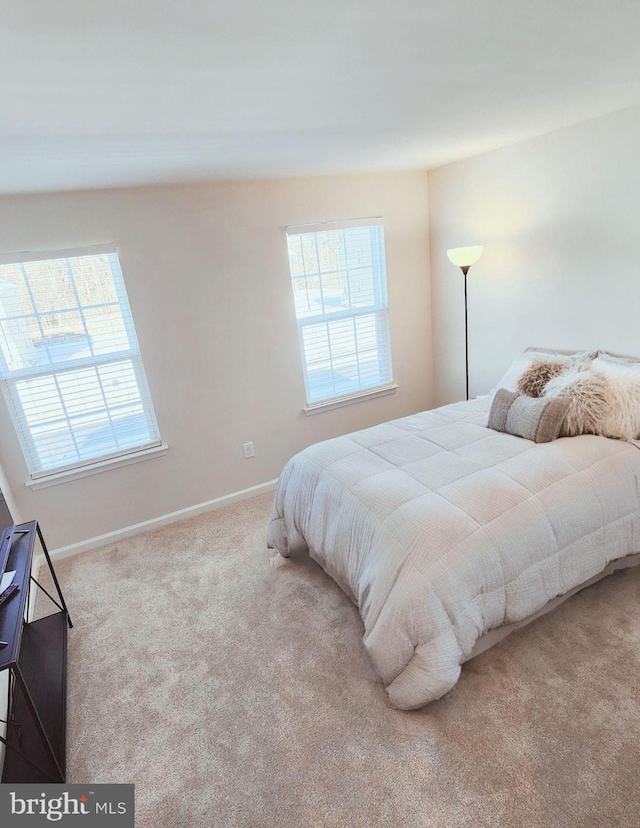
(317, 408)
(96, 468)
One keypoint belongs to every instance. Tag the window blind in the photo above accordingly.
(339, 282)
(70, 364)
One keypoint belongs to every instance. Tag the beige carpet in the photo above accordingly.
(236, 694)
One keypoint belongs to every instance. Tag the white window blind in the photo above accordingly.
(339, 284)
(70, 363)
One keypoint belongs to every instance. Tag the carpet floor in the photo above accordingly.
(234, 693)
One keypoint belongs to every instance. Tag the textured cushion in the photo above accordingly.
(624, 375)
(572, 360)
(600, 403)
(624, 417)
(590, 398)
(538, 374)
(539, 420)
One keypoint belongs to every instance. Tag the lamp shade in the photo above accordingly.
(465, 256)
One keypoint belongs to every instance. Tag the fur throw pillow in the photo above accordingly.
(599, 404)
(590, 402)
(624, 418)
(532, 381)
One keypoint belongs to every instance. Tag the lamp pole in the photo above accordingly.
(464, 257)
(465, 269)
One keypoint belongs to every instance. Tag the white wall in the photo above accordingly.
(207, 275)
(559, 217)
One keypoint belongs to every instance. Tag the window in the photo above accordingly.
(70, 364)
(340, 292)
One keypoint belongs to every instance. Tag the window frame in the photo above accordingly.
(379, 308)
(10, 379)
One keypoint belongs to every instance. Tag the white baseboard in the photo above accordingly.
(157, 522)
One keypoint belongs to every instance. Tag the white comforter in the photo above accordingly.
(441, 529)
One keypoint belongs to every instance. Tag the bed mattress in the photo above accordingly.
(442, 530)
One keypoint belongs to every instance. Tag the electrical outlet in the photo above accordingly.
(247, 450)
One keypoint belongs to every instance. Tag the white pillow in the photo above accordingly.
(616, 366)
(576, 360)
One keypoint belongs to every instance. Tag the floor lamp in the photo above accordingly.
(464, 257)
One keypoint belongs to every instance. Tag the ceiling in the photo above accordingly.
(102, 94)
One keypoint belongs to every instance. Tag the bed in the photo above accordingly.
(448, 535)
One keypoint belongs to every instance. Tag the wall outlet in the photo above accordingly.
(247, 450)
